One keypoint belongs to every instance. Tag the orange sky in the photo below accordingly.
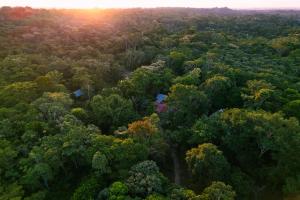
(153, 3)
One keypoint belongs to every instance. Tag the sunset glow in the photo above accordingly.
(152, 3)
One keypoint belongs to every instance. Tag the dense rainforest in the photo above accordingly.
(154, 104)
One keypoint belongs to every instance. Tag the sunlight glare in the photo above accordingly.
(152, 3)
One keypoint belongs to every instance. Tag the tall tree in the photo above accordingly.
(112, 111)
(207, 163)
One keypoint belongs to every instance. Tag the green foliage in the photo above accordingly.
(186, 103)
(217, 191)
(80, 114)
(258, 140)
(39, 174)
(100, 163)
(125, 153)
(206, 130)
(191, 78)
(118, 188)
(16, 68)
(242, 184)
(147, 131)
(118, 191)
(112, 111)
(258, 93)
(182, 194)
(191, 65)
(292, 108)
(145, 179)
(207, 163)
(283, 45)
(86, 190)
(41, 195)
(218, 90)
(53, 105)
(292, 185)
(50, 82)
(233, 86)
(144, 83)
(7, 159)
(176, 61)
(156, 197)
(12, 191)
(18, 92)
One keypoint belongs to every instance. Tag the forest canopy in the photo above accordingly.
(149, 104)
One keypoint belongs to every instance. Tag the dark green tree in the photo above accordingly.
(112, 111)
(207, 163)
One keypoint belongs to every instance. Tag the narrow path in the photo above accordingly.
(176, 164)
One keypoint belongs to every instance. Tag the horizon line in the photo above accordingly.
(139, 7)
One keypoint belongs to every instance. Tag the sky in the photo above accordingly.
(243, 4)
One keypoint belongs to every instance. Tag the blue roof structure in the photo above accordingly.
(78, 93)
(160, 98)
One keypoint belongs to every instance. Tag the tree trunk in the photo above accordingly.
(45, 181)
(176, 164)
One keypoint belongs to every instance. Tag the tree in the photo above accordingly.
(40, 195)
(191, 65)
(283, 45)
(186, 103)
(34, 131)
(112, 111)
(217, 191)
(145, 179)
(292, 108)
(82, 78)
(145, 83)
(207, 163)
(243, 184)
(292, 185)
(218, 90)
(155, 197)
(53, 106)
(80, 114)
(74, 144)
(145, 128)
(86, 190)
(182, 194)
(118, 191)
(225, 73)
(8, 157)
(133, 58)
(19, 68)
(42, 164)
(176, 61)
(147, 131)
(40, 173)
(18, 92)
(51, 82)
(257, 93)
(124, 154)
(12, 191)
(206, 130)
(100, 163)
(190, 78)
(258, 139)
